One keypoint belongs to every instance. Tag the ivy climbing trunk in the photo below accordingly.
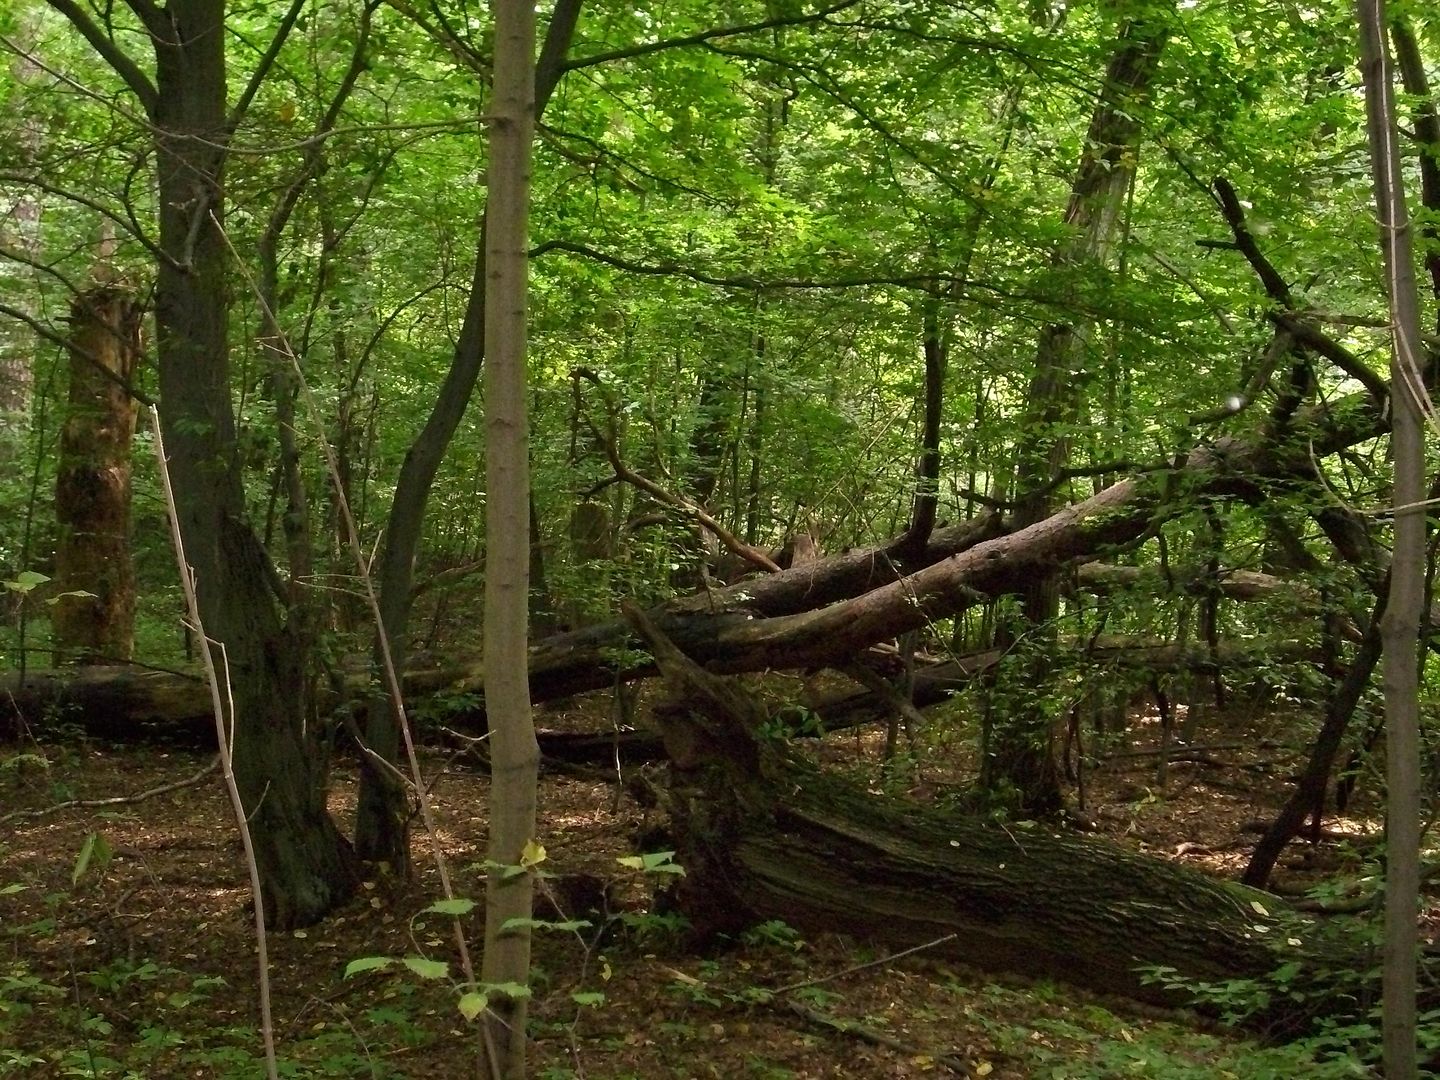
(1020, 758)
(514, 754)
(94, 616)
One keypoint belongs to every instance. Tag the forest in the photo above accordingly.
(774, 539)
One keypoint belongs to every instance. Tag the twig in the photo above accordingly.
(610, 444)
(116, 800)
(227, 766)
(953, 1062)
(1174, 752)
(387, 660)
(863, 967)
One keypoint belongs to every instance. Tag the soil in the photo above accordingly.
(142, 961)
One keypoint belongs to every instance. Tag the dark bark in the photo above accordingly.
(306, 866)
(927, 467)
(94, 615)
(133, 704)
(763, 836)
(1309, 794)
(1425, 117)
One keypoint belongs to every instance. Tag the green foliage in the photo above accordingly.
(654, 862)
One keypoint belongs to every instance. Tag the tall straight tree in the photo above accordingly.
(306, 865)
(1020, 753)
(1401, 624)
(383, 813)
(514, 754)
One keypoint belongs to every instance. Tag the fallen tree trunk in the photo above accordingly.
(827, 612)
(130, 703)
(764, 836)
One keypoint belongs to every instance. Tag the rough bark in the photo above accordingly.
(763, 835)
(94, 615)
(306, 866)
(1020, 753)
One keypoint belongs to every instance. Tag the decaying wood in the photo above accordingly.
(762, 835)
(816, 614)
(126, 703)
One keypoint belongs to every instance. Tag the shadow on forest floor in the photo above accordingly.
(144, 967)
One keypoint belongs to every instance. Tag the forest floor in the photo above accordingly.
(141, 962)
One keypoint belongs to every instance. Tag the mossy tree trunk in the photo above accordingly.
(763, 835)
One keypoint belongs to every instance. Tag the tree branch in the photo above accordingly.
(607, 441)
(705, 36)
(138, 82)
(57, 338)
(267, 60)
(551, 65)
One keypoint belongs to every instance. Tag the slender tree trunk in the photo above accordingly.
(1309, 794)
(20, 230)
(1401, 623)
(1425, 117)
(514, 755)
(382, 814)
(94, 617)
(1021, 754)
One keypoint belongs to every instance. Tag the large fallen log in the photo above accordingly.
(828, 612)
(762, 836)
(132, 703)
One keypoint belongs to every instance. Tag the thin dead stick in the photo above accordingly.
(387, 662)
(223, 736)
(865, 1033)
(114, 800)
(884, 960)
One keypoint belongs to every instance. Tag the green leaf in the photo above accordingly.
(590, 998)
(655, 862)
(368, 963)
(73, 592)
(509, 989)
(95, 849)
(427, 969)
(12, 888)
(523, 923)
(26, 581)
(457, 906)
(472, 1004)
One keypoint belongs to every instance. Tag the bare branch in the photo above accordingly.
(138, 82)
(692, 509)
(705, 36)
(64, 341)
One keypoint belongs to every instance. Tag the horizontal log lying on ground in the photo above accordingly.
(762, 835)
(818, 614)
(135, 704)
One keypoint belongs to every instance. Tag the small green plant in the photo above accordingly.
(775, 932)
